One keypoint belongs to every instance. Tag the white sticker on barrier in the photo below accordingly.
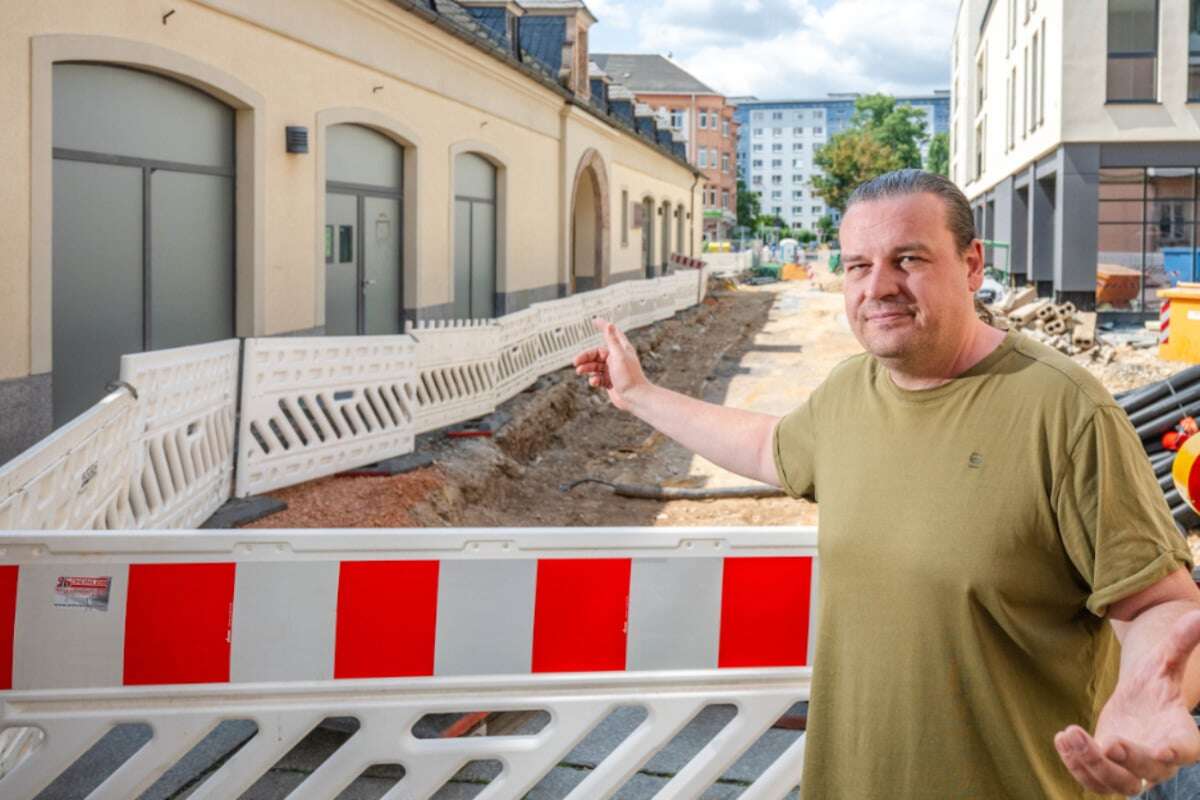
(187, 407)
(312, 407)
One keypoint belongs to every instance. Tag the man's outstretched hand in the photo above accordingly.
(1145, 732)
(613, 366)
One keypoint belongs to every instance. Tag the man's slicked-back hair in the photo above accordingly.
(904, 182)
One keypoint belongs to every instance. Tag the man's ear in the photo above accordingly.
(973, 255)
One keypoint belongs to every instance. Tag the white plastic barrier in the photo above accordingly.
(186, 412)
(565, 330)
(285, 629)
(78, 477)
(456, 371)
(315, 406)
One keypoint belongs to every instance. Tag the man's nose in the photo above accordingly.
(882, 282)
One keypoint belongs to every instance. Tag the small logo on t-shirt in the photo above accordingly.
(975, 460)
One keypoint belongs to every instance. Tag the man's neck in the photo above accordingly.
(980, 342)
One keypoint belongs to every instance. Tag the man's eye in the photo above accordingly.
(909, 259)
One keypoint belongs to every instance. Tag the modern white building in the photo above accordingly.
(778, 139)
(1075, 131)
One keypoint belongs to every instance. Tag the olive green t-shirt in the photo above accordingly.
(971, 538)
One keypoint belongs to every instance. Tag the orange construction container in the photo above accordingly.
(1179, 323)
(1116, 285)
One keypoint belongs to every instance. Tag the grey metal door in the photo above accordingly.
(364, 291)
(474, 238)
(143, 224)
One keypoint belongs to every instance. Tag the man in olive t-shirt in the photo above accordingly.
(1006, 609)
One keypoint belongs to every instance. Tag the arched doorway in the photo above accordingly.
(474, 237)
(589, 224)
(364, 176)
(648, 223)
(143, 223)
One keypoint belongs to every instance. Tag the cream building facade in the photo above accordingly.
(214, 168)
(1076, 134)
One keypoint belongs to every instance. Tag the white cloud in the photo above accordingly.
(796, 48)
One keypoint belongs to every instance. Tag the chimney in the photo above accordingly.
(556, 33)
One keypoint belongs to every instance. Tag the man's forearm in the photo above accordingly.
(1147, 631)
(737, 440)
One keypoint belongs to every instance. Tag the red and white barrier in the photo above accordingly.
(287, 628)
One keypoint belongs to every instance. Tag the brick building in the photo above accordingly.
(697, 114)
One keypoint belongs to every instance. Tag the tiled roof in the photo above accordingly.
(649, 73)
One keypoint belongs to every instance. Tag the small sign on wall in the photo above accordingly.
(639, 215)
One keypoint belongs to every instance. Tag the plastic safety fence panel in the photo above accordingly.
(642, 297)
(178, 634)
(456, 371)
(684, 288)
(315, 406)
(186, 419)
(604, 303)
(564, 328)
(664, 297)
(519, 353)
(79, 476)
(705, 273)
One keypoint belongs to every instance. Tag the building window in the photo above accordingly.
(757, 148)
(1034, 85)
(776, 163)
(797, 163)
(703, 120)
(776, 195)
(1011, 140)
(980, 142)
(725, 128)
(758, 115)
(1042, 77)
(702, 158)
(724, 199)
(981, 79)
(1012, 23)
(776, 115)
(798, 195)
(797, 178)
(712, 123)
(797, 131)
(1194, 50)
(624, 218)
(776, 180)
(777, 210)
(818, 131)
(756, 163)
(757, 180)
(777, 148)
(1132, 51)
(724, 162)
(1025, 125)
(677, 118)
(816, 209)
(760, 131)
(777, 131)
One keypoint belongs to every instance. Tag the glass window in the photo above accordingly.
(797, 145)
(702, 158)
(677, 118)
(776, 195)
(759, 131)
(776, 179)
(757, 180)
(1194, 50)
(818, 131)
(777, 131)
(797, 131)
(624, 217)
(756, 163)
(777, 115)
(1146, 237)
(757, 116)
(798, 195)
(776, 163)
(1033, 85)
(1132, 50)
(797, 178)
(777, 210)
(757, 148)
(725, 128)
(777, 148)
(724, 199)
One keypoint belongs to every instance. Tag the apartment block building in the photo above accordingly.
(698, 115)
(779, 138)
(1076, 134)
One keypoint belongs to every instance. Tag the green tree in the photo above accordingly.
(826, 228)
(804, 236)
(938, 160)
(748, 207)
(901, 128)
(882, 136)
(851, 157)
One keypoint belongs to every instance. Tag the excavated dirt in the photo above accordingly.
(561, 430)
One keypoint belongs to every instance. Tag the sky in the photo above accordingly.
(776, 49)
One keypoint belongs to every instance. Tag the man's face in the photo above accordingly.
(908, 289)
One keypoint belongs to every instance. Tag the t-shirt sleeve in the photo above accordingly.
(1112, 517)
(795, 452)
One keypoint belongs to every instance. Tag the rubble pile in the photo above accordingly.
(1059, 325)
